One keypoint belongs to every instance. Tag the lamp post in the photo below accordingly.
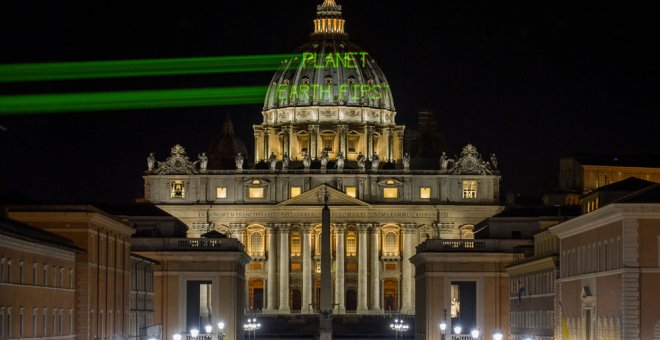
(251, 326)
(443, 328)
(497, 335)
(194, 333)
(176, 336)
(399, 326)
(475, 333)
(221, 330)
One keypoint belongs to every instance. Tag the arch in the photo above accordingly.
(296, 244)
(351, 244)
(351, 300)
(390, 245)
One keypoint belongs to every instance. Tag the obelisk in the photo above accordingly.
(325, 317)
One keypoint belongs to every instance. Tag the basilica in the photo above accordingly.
(344, 142)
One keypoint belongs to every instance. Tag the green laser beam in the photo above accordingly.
(139, 68)
(130, 100)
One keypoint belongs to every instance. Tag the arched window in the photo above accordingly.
(256, 243)
(390, 243)
(317, 244)
(295, 244)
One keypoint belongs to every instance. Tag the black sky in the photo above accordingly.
(530, 81)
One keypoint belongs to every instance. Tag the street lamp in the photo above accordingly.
(458, 329)
(497, 335)
(399, 326)
(251, 327)
(176, 336)
(443, 327)
(475, 334)
(208, 329)
(194, 333)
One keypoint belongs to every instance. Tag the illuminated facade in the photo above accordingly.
(328, 124)
(584, 173)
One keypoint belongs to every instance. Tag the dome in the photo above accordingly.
(329, 70)
(223, 150)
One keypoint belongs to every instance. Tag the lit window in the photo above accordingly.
(295, 244)
(178, 190)
(256, 243)
(425, 193)
(295, 191)
(351, 191)
(256, 192)
(296, 267)
(470, 189)
(221, 192)
(390, 243)
(390, 192)
(351, 245)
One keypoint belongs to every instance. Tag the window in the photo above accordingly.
(296, 191)
(256, 192)
(70, 321)
(425, 193)
(43, 322)
(9, 270)
(9, 322)
(351, 191)
(256, 243)
(295, 244)
(34, 322)
(61, 277)
(470, 189)
(45, 275)
(390, 193)
(70, 278)
(2, 322)
(2, 269)
(390, 243)
(34, 275)
(221, 192)
(20, 276)
(178, 190)
(351, 245)
(20, 323)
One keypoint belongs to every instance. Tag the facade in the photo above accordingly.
(196, 282)
(582, 173)
(37, 291)
(463, 283)
(141, 301)
(328, 126)
(609, 267)
(102, 272)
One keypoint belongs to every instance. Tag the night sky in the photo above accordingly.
(530, 81)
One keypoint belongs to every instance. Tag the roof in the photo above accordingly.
(644, 160)
(26, 232)
(87, 208)
(136, 209)
(631, 184)
(649, 194)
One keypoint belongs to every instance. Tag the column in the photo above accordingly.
(342, 129)
(284, 268)
(313, 130)
(375, 268)
(399, 138)
(390, 144)
(369, 132)
(362, 268)
(286, 142)
(266, 153)
(271, 267)
(340, 305)
(257, 135)
(307, 269)
(407, 232)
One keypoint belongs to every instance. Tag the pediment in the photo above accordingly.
(335, 197)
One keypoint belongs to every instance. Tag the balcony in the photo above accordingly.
(477, 245)
(186, 244)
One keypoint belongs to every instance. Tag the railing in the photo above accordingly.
(478, 245)
(179, 244)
